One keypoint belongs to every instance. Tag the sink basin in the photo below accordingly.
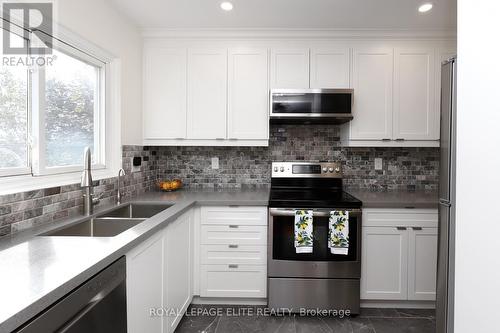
(137, 210)
(97, 227)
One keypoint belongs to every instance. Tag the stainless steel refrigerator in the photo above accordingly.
(446, 243)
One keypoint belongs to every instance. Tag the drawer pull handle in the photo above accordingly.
(233, 246)
(233, 266)
(401, 228)
(417, 228)
(232, 226)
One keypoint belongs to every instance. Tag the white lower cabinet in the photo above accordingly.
(145, 285)
(159, 278)
(230, 247)
(233, 280)
(399, 254)
(177, 269)
(233, 252)
(384, 263)
(422, 258)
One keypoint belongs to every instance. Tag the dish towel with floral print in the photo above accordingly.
(338, 232)
(303, 231)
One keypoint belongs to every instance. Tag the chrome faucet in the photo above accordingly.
(86, 183)
(121, 173)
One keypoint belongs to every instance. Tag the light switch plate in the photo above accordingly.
(378, 164)
(215, 163)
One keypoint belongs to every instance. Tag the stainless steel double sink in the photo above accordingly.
(113, 222)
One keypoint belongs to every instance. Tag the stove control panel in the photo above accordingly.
(306, 170)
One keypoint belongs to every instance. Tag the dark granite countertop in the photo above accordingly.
(397, 199)
(38, 270)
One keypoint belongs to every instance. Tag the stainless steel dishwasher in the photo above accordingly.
(98, 305)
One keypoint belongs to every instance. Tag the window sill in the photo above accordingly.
(16, 184)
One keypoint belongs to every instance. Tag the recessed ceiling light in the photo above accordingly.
(425, 7)
(226, 5)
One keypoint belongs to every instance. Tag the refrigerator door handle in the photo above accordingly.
(444, 202)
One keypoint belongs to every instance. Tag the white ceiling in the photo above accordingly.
(291, 14)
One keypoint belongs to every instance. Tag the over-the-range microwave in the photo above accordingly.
(311, 106)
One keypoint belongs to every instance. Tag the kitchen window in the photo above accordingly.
(49, 114)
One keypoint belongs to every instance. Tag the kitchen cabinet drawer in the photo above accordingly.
(233, 281)
(227, 215)
(233, 234)
(234, 254)
(400, 217)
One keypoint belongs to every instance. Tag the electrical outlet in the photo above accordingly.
(378, 164)
(134, 168)
(215, 163)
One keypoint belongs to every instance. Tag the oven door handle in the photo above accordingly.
(316, 212)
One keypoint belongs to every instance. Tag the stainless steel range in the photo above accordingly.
(317, 280)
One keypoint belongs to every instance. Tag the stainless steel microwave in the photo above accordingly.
(311, 106)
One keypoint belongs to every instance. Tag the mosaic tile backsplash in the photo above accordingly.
(403, 169)
(24, 210)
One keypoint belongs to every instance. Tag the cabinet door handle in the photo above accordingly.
(233, 246)
(233, 266)
(400, 139)
(386, 139)
(232, 226)
(401, 228)
(417, 228)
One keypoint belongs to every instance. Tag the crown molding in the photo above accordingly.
(296, 34)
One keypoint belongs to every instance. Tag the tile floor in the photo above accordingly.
(228, 319)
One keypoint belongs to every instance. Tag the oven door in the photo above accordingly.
(283, 261)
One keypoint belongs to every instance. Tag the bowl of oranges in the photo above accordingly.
(170, 185)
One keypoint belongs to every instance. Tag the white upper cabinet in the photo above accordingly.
(290, 68)
(164, 93)
(372, 83)
(329, 68)
(248, 94)
(207, 93)
(415, 114)
(218, 95)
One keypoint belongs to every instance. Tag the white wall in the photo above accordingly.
(477, 292)
(101, 24)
